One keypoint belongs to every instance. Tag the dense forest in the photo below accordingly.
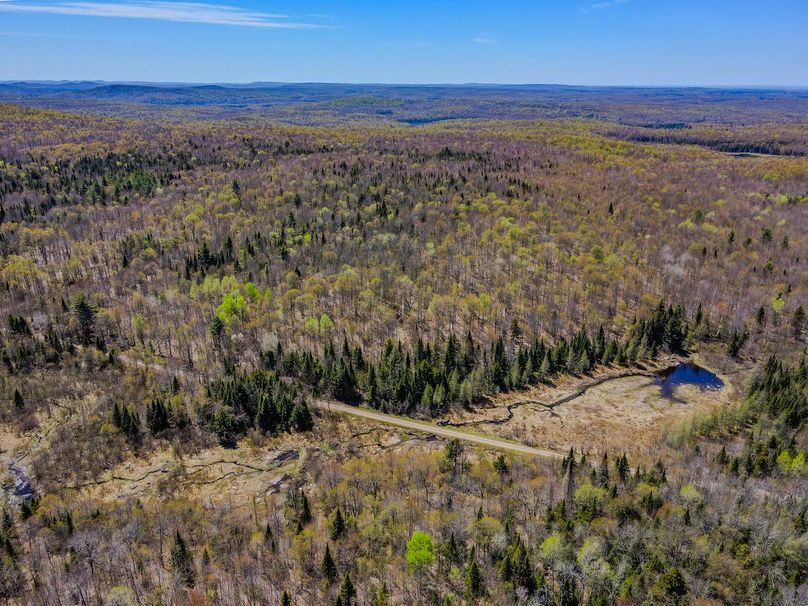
(189, 292)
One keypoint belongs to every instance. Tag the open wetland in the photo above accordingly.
(625, 411)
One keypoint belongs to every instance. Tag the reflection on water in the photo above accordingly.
(686, 374)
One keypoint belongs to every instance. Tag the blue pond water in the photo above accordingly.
(686, 374)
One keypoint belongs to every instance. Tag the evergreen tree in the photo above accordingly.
(569, 592)
(736, 342)
(466, 393)
(515, 378)
(18, 325)
(603, 471)
(266, 416)
(85, 315)
(760, 316)
(382, 597)
(450, 355)
(343, 383)
(501, 465)
(516, 330)
(600, 344)
(622, 468)
(439, 399)
(327, 567)
(426, 398)
(347, 592)
(451, 551)
(157, 416)
(300, 418)
(224, 426)
(182, 561)
(569, 487)
(798, 322)
(499, 366)
(337, 525)
(584, 364)
(523, 570)
(546, 369)
(216, 328)
(127, 420)
(506, 567)
(473, 585)
(286, 599)
(571, 360)
(304, 511)
(372, 387)
(469, 354)
(610, 354)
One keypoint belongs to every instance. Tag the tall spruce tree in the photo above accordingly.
(337, 524)
(347, 592)
(327, 567)
(473, 585)
(182, 560)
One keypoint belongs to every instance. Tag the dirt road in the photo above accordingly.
(437, 430)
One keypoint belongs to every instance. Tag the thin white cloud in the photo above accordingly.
(483, 39)
(184, 12)
(607, 4)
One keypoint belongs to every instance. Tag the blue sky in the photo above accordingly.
(656, 42)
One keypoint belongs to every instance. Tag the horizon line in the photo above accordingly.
(191, 83)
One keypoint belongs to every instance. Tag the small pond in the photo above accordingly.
(686, 373)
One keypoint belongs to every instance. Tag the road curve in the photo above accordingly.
(430, 428)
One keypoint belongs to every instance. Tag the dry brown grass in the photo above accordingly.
(624, 413)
